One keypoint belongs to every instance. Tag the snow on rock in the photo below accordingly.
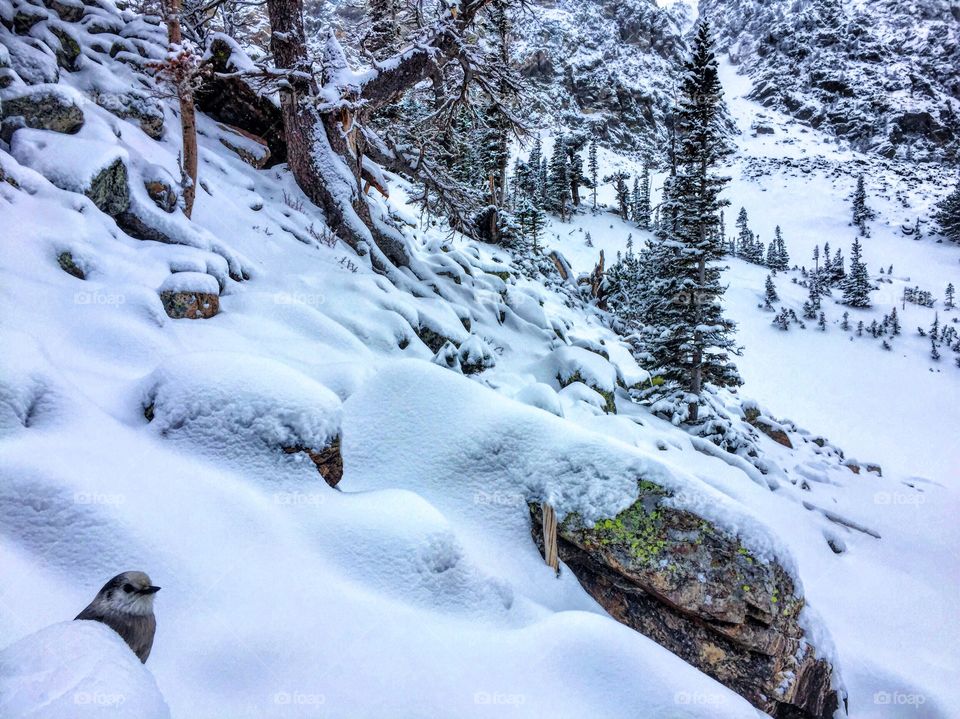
(191, 282)
(542, 396)
(70, 163)
(235, 406)
(76, 670)
(46, 107)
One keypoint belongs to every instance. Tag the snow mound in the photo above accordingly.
(191, 282)
(570, 364)
(236, 405)
(542, 396)
(76, 670)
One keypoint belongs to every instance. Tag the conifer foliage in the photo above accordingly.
(947, 215)
(687, 336)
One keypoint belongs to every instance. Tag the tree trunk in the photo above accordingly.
(188, 115)
(322, 147)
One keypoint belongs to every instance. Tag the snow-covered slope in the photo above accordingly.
(131, 440)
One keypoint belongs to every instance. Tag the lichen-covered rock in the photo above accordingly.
(43, 107)
(697, 591)
(66, 10)
(190, 295)
(329, 460)
(108, 189)
(68, 53)
(134, 106)
(69, 265)
(28, 58)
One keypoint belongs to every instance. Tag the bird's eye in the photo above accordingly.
(128, 588)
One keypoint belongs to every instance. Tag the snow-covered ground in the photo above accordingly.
(416, 590)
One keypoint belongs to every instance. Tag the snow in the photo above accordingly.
(415, 590)
(191, 282)
(76, 670)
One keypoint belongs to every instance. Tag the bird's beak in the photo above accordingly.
(149, 590)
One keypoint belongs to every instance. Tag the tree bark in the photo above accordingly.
(188, 115)
(323, 148)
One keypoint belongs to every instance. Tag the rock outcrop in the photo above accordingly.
(328, 460)
(697, 591)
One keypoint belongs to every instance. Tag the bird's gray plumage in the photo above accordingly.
(125, 604)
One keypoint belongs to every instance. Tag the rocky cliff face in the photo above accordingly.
(607, 65)
(697, 591)
(882, 75)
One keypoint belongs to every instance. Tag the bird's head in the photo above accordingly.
(128, 593)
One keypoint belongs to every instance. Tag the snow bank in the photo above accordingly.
(570, 363)
(76, 670)
(191, 282)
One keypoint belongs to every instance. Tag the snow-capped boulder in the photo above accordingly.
(76, 670)
(93, 167)
(43, 107)
(190, 295)
(693, 588)
(246, 408)
(569, 365)
(475, 355)
(135, 106)
(542, 396)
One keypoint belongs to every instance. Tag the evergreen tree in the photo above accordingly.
(948, 298)
(643, 205)
(689, 338)
(575, 172)
(592, 170)
(845, 325)
(772, 255)
(812, 306)
(635, 201)
(622, 190)
(934, 352)
(782, 257)
(861, 213)
(822, 322)
(894, 322)
(947, 215)
(837, 273)
(856, 289)
(744, 241)
(558, 180)
(770, 295)
(860, 328)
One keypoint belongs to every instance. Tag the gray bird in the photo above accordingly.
(125, 604)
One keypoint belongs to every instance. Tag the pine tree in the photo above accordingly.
(689, 338)
(822, 322)
(845, 325)
(894, 322)
(622, 190)
(948, 298)
(947, 215)
(856, 289)
(770, 295)
(635, 201)
(772, 255)
(837, 273)
(558, 180)
(575, 172)
(816, 258)
(643, 205)
(781, 254)
(934, 352)
(593, 169)
(861, 213)
(860, 328)
(744, 241)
